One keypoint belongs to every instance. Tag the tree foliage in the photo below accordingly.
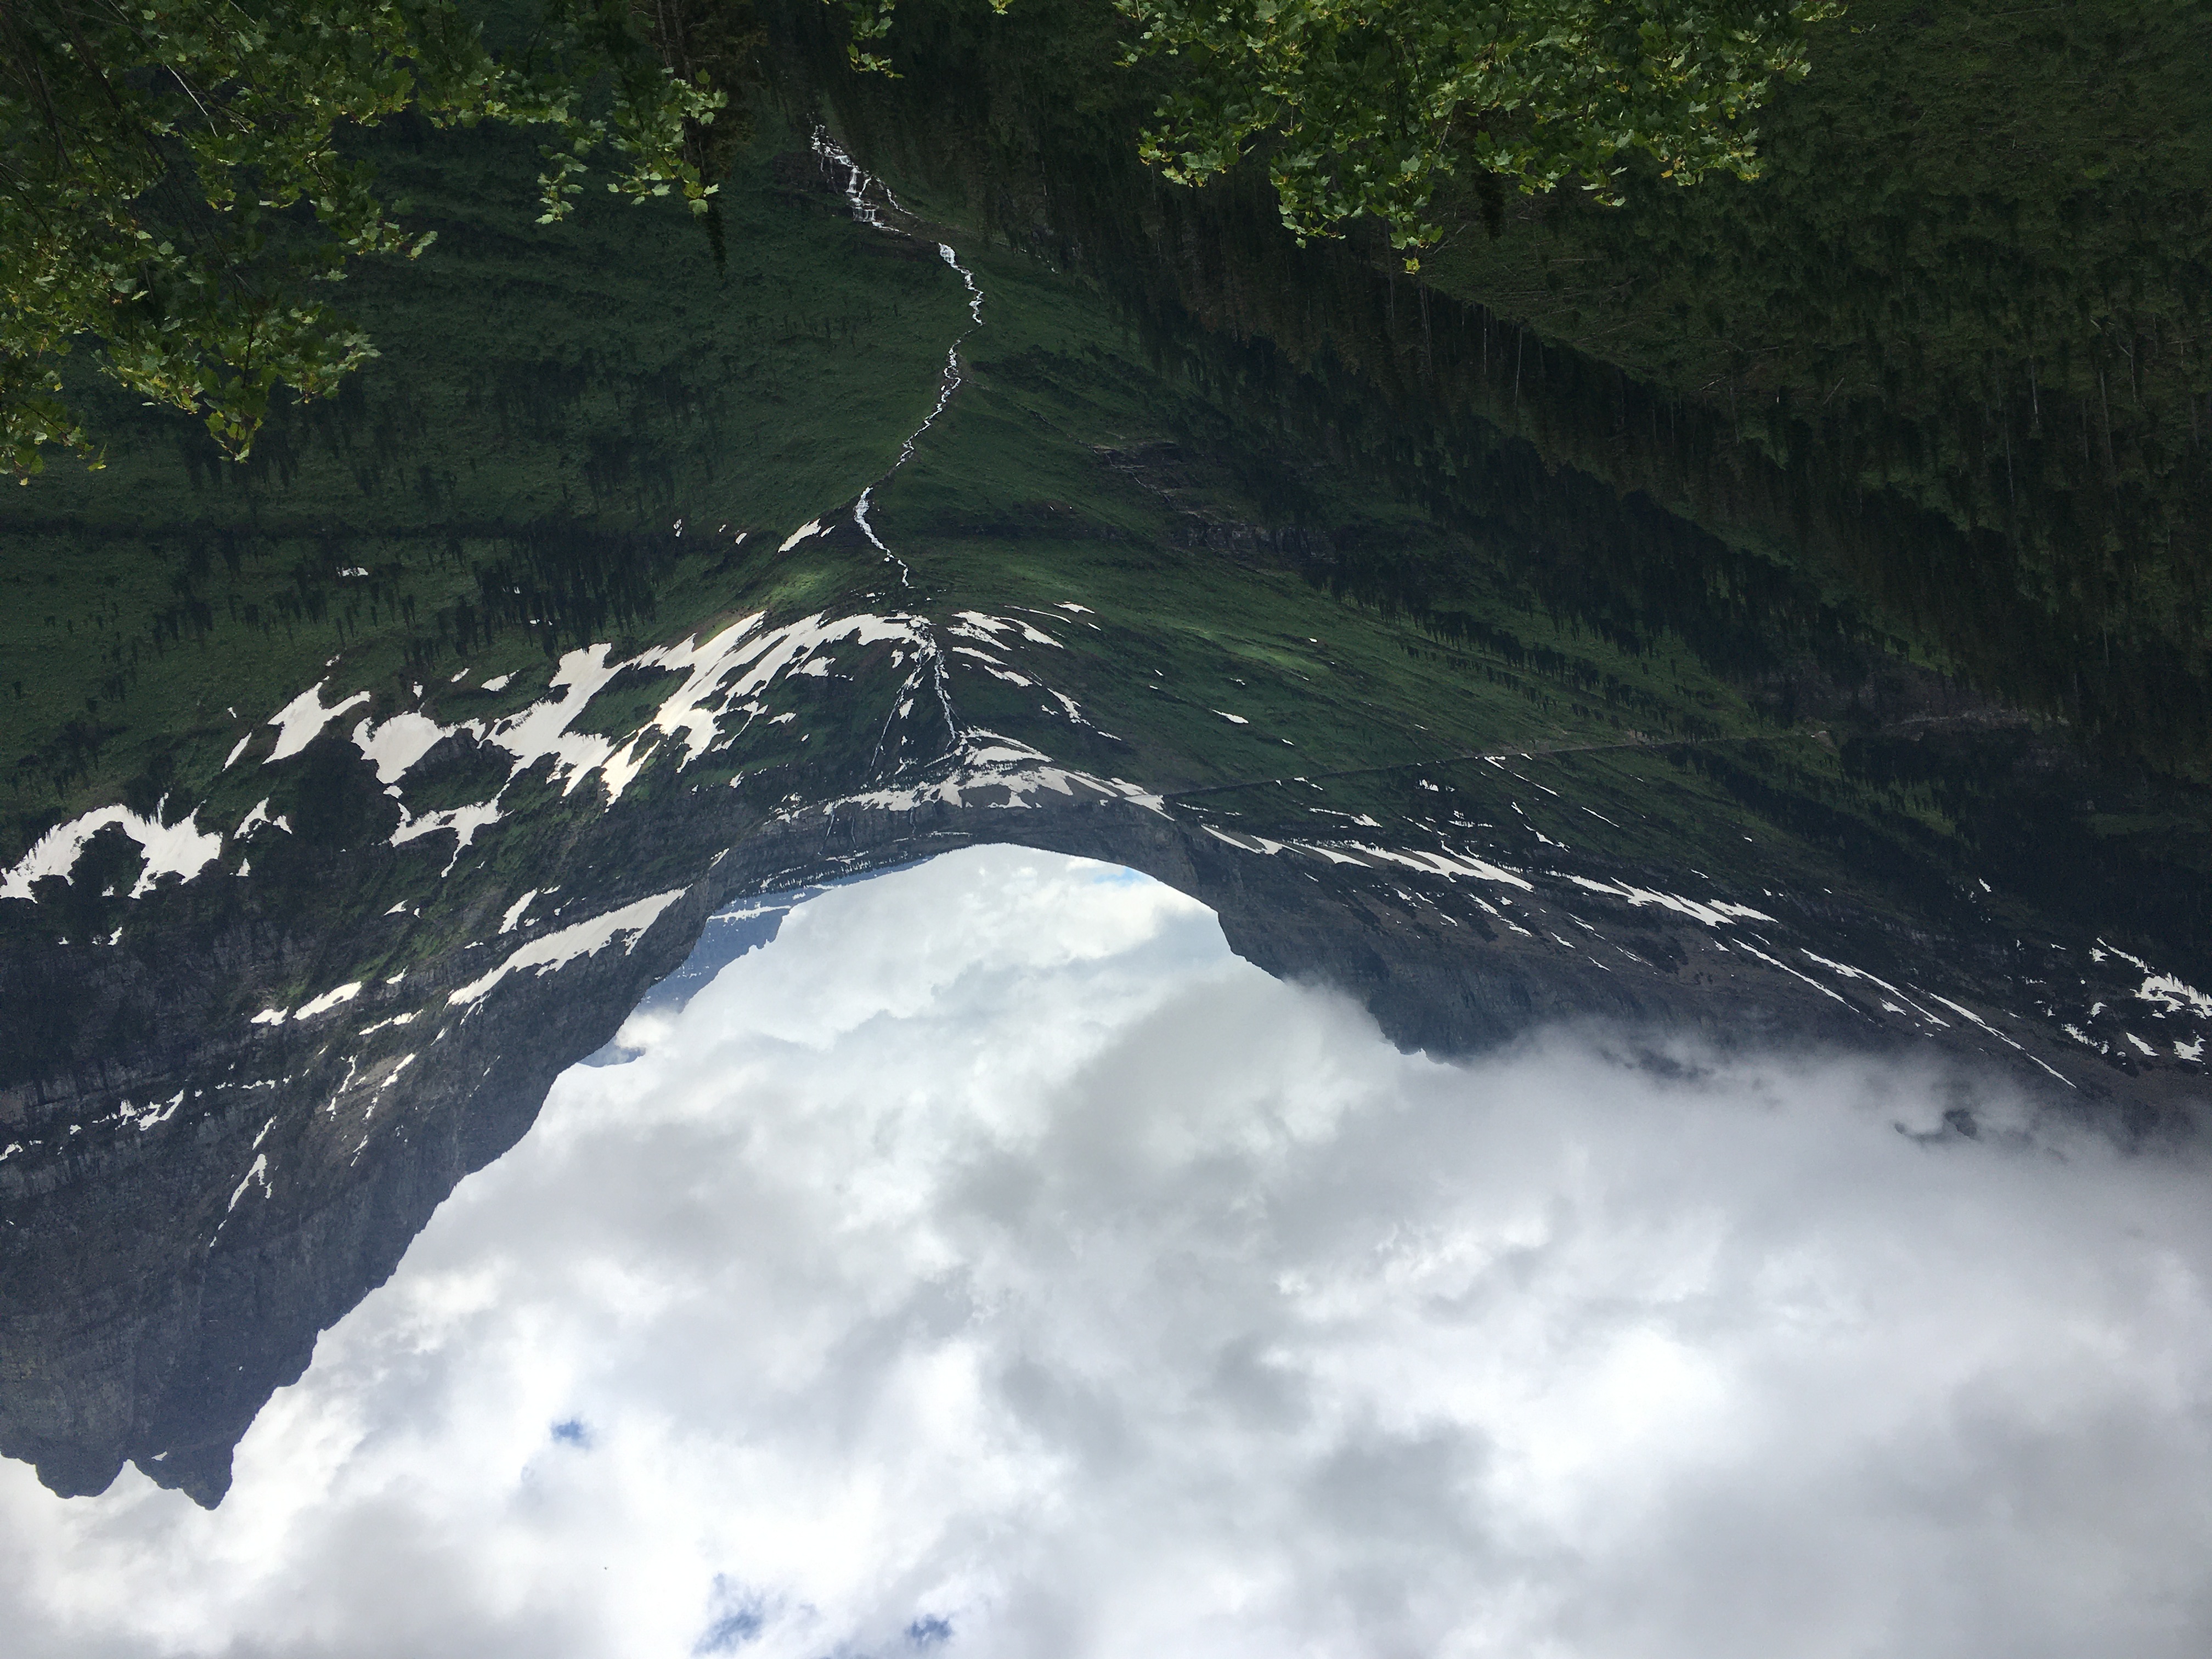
(175, 185)
(1362, 107)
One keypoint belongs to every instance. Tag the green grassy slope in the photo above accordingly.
(1942, 370)
(1359, 626)
(1039, 488)
(1025, 500)
(505, 478)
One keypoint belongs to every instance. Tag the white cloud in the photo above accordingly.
(994, 1264)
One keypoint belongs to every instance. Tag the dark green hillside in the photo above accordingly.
(1945, 364)
(1959, 191)
(1976, 281)
(1291, 485)
(506, 478)
(1222, 577)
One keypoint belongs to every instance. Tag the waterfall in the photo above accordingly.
(873, 206)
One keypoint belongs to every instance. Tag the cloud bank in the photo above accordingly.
(994, 1265)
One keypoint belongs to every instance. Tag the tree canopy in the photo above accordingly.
(176, 189)
(1361, 106)
(173, 184)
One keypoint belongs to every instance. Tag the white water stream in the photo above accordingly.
(860, 187)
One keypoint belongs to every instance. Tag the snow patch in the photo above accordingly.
(1773, 961)
(1449, 865)
(1969, 1014)
(1718, 914)
(399, 743)
(301, 720)
(331, 999)
(2171, 994)
(258, 817)
(584, 939)
(170, 849)
(1847, 971)
(259, 1172)
(988, 762)
(991, 627)
(1244, 843)
(463, 821)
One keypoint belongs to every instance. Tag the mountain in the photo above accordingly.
(412, 757)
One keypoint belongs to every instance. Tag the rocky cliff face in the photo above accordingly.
(187, 1212)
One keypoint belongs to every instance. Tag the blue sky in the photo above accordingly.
(994, 1265)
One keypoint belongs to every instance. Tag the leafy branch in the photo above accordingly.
(1362, 107)
(174, 189)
